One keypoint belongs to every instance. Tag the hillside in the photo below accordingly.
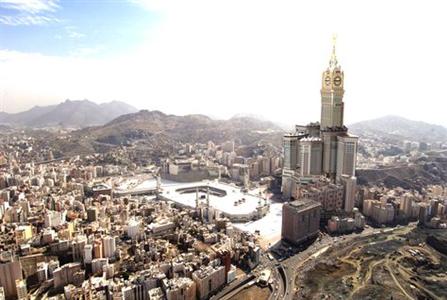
(189, 128)
(69, 114)
(398, 128)
(160, 132)
(430, 169)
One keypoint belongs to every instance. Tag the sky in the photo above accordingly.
(223, 58)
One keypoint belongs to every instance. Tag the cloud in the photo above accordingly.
(29, 12)
(73, 33)
(27, 20)
(30, 6)
(156, 5)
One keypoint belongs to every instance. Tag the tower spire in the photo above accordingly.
(333, 62)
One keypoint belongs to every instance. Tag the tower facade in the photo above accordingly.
(290, 144)
(346, 155)
(332, 91)
(311, 151)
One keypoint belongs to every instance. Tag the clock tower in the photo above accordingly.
(323, 149)
(332, 92)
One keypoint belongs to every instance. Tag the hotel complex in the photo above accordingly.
(323, 150)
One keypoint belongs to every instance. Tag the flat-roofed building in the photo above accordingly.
(300, 220)
(9, 273)
(208, 280)
(22, 292)
(182, 288)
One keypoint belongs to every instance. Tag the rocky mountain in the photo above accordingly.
(162, 131)
(189, 128)
(430, 169)
(68, 114)
(398, 128)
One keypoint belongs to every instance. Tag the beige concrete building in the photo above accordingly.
(350, 187)
(311, 154)
(66, 274)
(109, 246)
(406, 204)
(331, 196)
(300, 220)
(22, 292)
(9, 273)
(182, 288)
(2, 293)
(208, 280)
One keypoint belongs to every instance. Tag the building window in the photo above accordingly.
(349, 147)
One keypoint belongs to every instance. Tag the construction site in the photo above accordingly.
(401, 263)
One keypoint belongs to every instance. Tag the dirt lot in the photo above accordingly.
(397, 265)
(253, 293)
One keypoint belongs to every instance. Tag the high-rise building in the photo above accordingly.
(346, 156)
(290, 142)
(133, 228)
(311, 152)
(67, 274)
(2, 293)
(300, 220)
(42, 271)
(22, 292)
(98, 250)
(88, 253)
(208, 280)
(350, 187)
(92, 214)
(109, 246)
(9, 273)
(325, 148)
(406, 204)
(182, 288)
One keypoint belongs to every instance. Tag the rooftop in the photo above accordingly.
(304, 204)
(226, 198)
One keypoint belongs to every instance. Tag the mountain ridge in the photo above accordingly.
(161, 132)
(68, 114)
(400, 128)
(148, 123)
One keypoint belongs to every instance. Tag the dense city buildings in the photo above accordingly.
(104, 232)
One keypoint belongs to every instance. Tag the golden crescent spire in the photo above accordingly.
(333, 62)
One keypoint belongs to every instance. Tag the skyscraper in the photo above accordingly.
(325, 148)
(9, 273)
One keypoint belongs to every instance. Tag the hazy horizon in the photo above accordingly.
(283, 125)
(221, 59)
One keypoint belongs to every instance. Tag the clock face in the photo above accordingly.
(327, 80)
(337, 80)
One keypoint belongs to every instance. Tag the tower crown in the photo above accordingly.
(333, 77)
(333, 62)
(332, 94)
